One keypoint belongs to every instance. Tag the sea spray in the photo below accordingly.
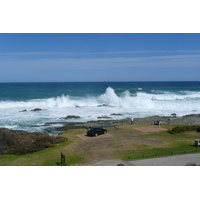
(110, 98)
(93, 101)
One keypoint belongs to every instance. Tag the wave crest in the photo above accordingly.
(135, 101)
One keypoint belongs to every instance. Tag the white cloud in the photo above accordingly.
(100, 63)
(94, 53)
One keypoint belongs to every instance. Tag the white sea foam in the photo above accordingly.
(110, 98)
(138, 104)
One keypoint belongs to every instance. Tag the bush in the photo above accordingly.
(182, 129)
(21, 142)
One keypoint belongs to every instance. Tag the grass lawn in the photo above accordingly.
(46, 157)
(170, 143)
(125, 142)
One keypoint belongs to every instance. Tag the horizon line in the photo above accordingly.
(93, 81)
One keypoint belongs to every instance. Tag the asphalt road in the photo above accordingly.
(178, 160)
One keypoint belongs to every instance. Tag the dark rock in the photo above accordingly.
(104, 105)
(104, 117)
(36, 109)
(23, 111)
(117, 114)
(49, 130)
(71, 117)
(53, 123)
(68, 126)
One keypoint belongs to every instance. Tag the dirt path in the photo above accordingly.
(150, 129)
(104, 147)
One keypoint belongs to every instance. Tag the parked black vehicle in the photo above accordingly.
(94, 131)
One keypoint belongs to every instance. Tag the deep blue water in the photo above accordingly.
(27, 91)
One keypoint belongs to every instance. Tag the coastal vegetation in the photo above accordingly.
(46, 157)
(22, 142)
(121, 142)
(184, 128)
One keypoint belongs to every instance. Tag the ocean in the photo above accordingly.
(91, 100)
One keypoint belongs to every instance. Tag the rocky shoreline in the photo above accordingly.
(173, 119)
(55, 128)
(85, 125)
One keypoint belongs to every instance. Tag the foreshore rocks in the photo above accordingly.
(85, 125)
(54, 128)
(36, 109)
(104, 105)
(104, 117)
(71, 117)
(116, 114)
(33, 110)
(187, 120)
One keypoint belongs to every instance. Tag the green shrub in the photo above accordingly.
(183, 129)
(20, 142)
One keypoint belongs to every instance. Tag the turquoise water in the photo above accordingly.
(132, 99)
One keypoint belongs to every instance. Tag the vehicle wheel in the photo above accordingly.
(96, 134)
(105, 132)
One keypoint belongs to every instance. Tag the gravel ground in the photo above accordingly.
(179, 160)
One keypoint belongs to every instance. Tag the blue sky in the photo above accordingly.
(64, 57)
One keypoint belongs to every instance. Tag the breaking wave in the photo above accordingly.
(138, 100)
(136, 104)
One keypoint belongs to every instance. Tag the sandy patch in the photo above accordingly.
(150, 129)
